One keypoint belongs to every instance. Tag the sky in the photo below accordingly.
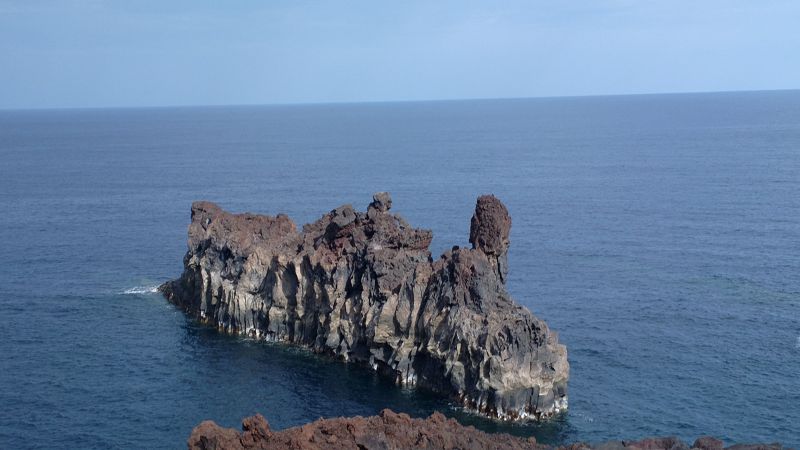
(102, 53)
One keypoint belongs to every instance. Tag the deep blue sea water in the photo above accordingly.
(659, 235)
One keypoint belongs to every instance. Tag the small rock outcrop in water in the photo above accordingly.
(363, 287)
(389, 430)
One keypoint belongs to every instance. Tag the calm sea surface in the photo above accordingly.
(659, 235)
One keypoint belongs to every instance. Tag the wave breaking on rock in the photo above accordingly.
(138, 290)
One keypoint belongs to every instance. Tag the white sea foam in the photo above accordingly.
(141, 290)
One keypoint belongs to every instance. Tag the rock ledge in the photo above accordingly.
(389, 430)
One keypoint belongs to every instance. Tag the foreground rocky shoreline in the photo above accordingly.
(389, 431)
(363, 287)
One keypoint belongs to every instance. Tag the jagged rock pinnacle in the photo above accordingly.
(381, 201)
(489, 230)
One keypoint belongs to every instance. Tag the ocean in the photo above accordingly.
(659, 235)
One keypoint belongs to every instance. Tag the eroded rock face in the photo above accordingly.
(364, 288)
(389, 430)
(489, 230)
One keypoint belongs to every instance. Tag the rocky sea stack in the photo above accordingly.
(364, 288)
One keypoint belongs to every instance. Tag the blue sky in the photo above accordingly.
(83, 53)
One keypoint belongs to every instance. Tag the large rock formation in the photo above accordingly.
(399, 431)
(363, 287)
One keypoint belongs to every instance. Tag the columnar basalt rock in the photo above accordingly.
(363, 287)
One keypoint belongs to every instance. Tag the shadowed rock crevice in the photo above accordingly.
(364, 288)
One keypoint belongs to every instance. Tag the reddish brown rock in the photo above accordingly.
(708, 443)
(390, 431)
(490, 226)
(387, 430)
(489, 230)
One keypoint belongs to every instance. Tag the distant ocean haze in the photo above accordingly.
(658, 235)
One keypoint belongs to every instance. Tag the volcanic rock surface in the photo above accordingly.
(389, 430)
(363, 287)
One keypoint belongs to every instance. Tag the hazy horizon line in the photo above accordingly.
(367, 102)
